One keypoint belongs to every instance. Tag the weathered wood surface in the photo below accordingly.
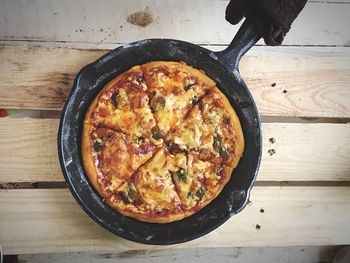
(311, 73)
(291, 151)
(194, 255)
(49, 220)
(302, 85)
(320, 23)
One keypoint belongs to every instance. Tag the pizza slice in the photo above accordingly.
(188, 182)
(197, 182)
(150, 194)
(216, 176)
(124, 105)
(223, 138)
(173, 88)
(210, 130)
(188, 135)
(113, 156)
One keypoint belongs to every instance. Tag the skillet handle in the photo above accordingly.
(245, 38)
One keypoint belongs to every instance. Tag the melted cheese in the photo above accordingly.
(155, 185)
(139, 121)
(188, 134)
(119, 157)
(174, 110)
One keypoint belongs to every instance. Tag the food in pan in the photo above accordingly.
(160, 141)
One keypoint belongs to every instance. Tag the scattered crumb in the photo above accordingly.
(271, 152)
(262, 210)
(285, 91)
(272, 140)
(257, 226)
(101, 29)
(273, 84)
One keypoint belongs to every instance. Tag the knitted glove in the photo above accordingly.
(272, 18)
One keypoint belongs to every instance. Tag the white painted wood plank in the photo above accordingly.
(291, 151)
(195, 255)
(198, 21)
(49, 220)
(308, 83)
(305, 151)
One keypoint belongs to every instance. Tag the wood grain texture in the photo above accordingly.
(194, 255)
(291, 151)
(299, 87)
(49, 220)
(305, 152)
(28, 150)
(308, 83)
(39, 76)
(198, 21)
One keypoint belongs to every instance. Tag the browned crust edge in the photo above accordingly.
(237, 128)
(88, 161)
(194, 71)
(145, 217)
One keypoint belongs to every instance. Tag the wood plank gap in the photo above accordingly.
(284, 119)
(7, 41)
(63, 185)
(303, 183)
(35, 185)
(304, 254)
(55, 115)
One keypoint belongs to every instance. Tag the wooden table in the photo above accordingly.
(302, 90)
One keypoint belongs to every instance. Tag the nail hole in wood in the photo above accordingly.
(271, 152)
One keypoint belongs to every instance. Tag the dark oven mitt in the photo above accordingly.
(272, 18)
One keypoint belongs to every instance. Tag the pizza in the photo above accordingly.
(160, 141)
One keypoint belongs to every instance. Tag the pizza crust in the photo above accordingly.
(237, 127)
(88, 159)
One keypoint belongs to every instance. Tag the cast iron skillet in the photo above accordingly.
(220, 66)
